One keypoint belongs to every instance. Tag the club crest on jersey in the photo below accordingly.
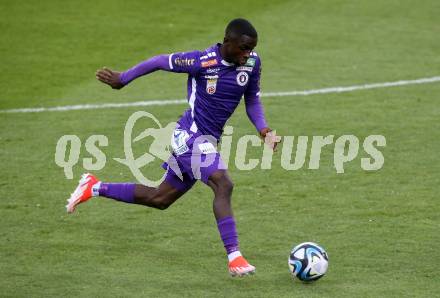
(211, 84)
(209, 63)
(250, 62)
(242, 78)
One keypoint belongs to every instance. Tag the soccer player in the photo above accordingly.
(218, 77)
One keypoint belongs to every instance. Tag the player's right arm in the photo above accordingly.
(187, 62)
(254, 108)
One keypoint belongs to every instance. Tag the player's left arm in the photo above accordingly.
(254, 108)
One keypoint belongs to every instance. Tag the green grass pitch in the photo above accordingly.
(381, 229)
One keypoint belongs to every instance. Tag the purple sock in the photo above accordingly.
(228, 233)
(123, 192)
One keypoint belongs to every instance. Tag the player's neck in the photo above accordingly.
(223, 54)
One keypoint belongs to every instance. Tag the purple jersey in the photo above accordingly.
(215, 88)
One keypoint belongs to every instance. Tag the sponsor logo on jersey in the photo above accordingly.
(209, 63)
(184, 62)
(209, 55)
(245, 68)
(213, 70)
(211, 84)
(250, 62)
(242, 78)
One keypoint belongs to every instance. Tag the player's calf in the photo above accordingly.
(160, 198)
(89, 186)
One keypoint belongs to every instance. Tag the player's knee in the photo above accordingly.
(160, 202)
(222, 183)
(227, 185)
(163, 205)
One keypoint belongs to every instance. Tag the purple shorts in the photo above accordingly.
(194, 157)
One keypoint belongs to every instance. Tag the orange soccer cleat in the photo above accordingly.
(83, 192)
(240, 267)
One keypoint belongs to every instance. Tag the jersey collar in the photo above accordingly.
(226, 63)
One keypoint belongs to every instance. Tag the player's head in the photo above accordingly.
(240, 39)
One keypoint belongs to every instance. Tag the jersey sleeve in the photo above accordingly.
(253, 88)
(145, 67)
(254, 108)
(187, 62)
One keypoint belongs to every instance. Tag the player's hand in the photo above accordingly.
(109, 77)
(270, 138)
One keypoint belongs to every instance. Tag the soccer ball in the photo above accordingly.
(308, 261)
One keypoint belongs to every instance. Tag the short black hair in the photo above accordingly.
(240, 27)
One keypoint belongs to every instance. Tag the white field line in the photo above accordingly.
(184, 101)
